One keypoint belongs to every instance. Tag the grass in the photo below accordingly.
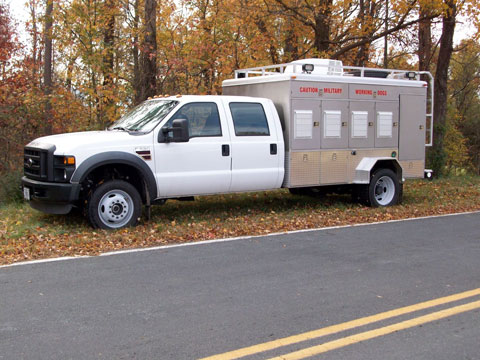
(27, 234)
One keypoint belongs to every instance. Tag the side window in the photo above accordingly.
(203, 119)
(249, 119)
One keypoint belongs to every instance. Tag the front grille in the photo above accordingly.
(32, 161)
(38, 163)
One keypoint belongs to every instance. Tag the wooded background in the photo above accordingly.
(86, 61)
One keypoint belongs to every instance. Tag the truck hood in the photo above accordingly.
(67, 144)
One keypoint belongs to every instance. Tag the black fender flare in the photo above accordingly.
(116, 157)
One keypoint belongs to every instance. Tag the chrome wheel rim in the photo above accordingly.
(384, 190)
(115, 208)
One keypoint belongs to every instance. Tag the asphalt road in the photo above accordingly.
(197, 301)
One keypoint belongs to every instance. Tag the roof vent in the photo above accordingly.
(320, 67)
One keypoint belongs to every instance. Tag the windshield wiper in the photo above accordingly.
(120, 128)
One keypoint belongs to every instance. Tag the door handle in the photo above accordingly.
(225, 150)
(273, 149)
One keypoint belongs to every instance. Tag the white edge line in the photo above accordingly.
(214, 241)
(30, 262)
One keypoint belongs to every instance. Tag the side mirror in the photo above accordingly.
(179, 131)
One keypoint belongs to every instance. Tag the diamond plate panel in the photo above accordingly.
(304, 168)
(413, 168)
(334, 165)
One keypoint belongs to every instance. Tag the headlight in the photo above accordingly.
(64, 166)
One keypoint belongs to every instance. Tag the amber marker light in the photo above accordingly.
(69, 160)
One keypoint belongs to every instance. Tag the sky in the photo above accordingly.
(19, 11)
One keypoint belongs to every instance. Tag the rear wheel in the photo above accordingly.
(113, 205)
(384, 188)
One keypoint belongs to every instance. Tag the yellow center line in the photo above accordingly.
(367, 335)
(329, 330)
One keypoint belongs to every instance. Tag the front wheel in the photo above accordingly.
(113, 205)
(384, 188)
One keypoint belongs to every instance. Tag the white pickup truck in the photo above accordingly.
(306, 130)
(171, 147)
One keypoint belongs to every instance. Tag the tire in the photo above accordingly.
(384, 189)
(115, 204)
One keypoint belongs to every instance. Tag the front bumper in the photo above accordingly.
(50, 197)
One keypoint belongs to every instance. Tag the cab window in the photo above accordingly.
(249, 119)
(203, 119)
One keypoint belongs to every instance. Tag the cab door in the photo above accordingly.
(203, 164)
(257, 147)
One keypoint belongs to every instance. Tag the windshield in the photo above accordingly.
(145, 116)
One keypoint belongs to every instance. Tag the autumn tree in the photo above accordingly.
(8, 47)
(95, 49)
(449, 11)
(425, 47)
(344, 29)
(47, 65)
(7, 40)
(32, 29)
(457, 160)
(109, 15)
(149, 51)
(134, 11)
(437, 155)
(464, 97)
(367, 11)
(79, 38)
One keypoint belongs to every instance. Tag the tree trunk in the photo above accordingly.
(291, 47)
(436, 155)
(136, 63)
(149, 51)
(262, 27)
(322, 27)
(360, 56)
(108, 43)
(424, 42)
(47, 67)
(68, 80)
(33, 16)
(385, 40)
